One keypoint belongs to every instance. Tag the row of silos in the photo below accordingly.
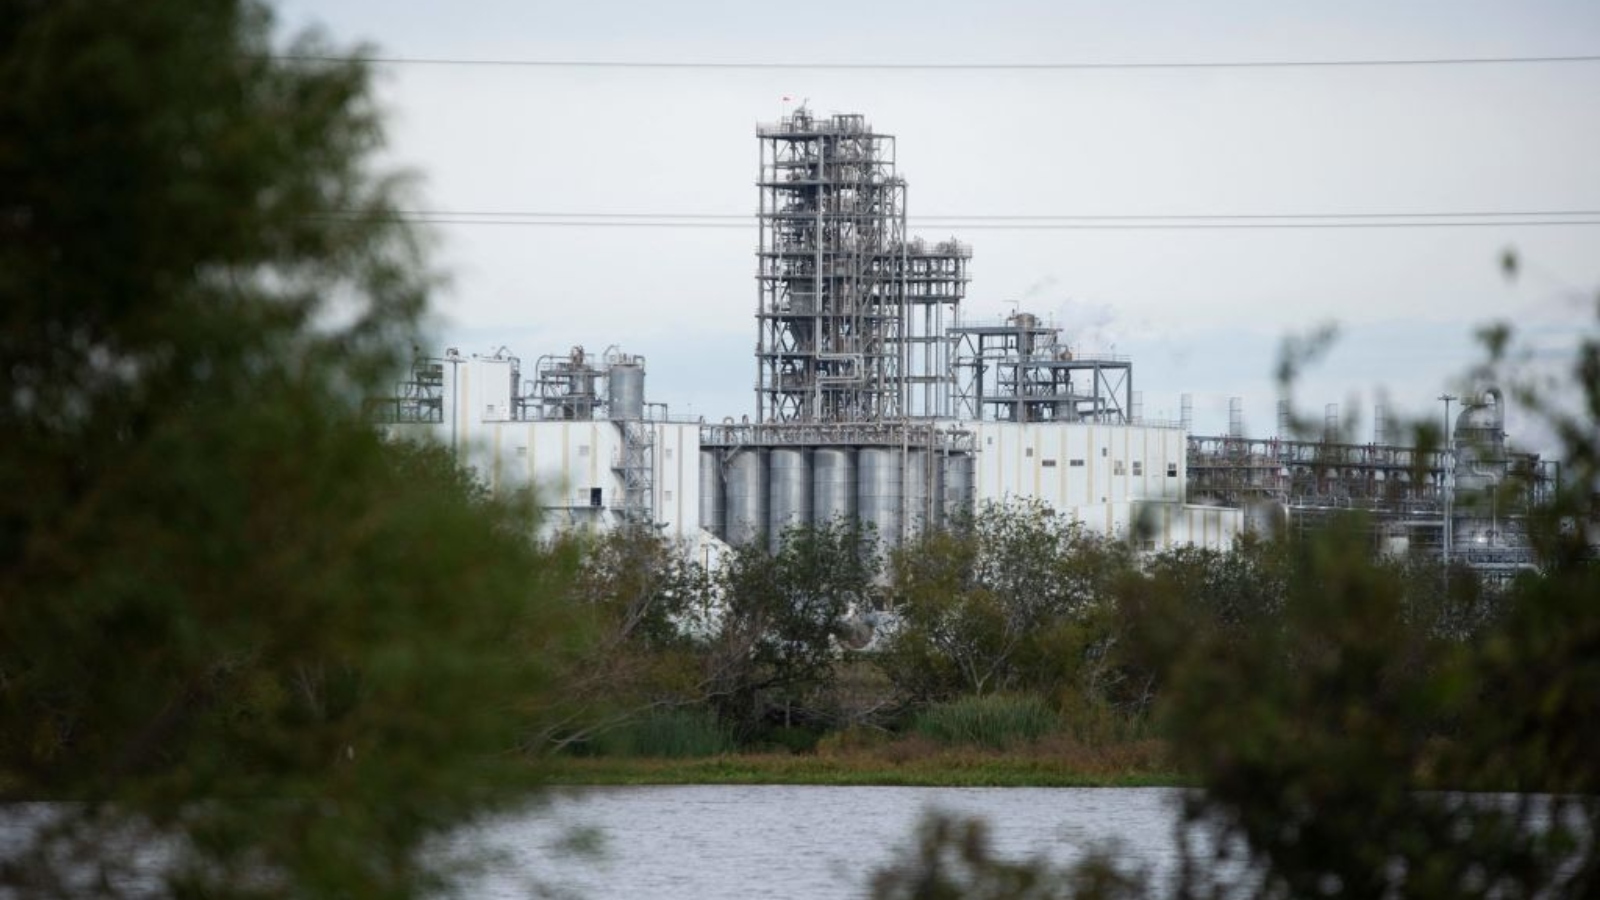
(756, 493)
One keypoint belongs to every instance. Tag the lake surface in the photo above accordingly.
(714, 842)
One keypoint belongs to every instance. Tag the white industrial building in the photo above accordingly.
(587, 471)
(701, 483)
(875, 400)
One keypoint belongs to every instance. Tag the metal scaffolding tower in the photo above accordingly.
(565, 388)
(850, 312)
(932, 280)
(1020, 372)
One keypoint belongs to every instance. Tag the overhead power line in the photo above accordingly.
(953, 66)
(980, 217)
(1170, 226)
(992, 222)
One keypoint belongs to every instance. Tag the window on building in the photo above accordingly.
(583, 449)
(595, 498)
(1075, 463)
(1048, 464)
(1172, 470)
(1028, 452)
(1138, 467)
(522, 451)
(1119, 468)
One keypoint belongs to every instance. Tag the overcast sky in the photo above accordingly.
(1200, 311)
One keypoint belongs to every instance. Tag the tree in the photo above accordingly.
(1011, 600)
(1358, 733)
(640, 606)
(778, 635)
(244, 635)
(1334, 747)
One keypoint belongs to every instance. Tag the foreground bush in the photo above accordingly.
(247, 649)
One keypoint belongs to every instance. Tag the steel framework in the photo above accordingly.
(932, 281)
(1237, 471)
(850, 312)
(565, 387)
(418, 398)
(1019, 371)
(1404, 489)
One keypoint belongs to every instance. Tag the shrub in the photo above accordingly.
(996, 721)
(668, 734)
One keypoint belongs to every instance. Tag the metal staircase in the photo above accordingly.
(636, 467)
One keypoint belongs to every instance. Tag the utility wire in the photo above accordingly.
(995, 226)
(987, 217)
(990, 222)
(950, 66)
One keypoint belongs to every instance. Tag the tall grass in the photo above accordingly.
(669, 734)
(995, 722)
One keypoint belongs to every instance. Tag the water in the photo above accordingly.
(713, 842)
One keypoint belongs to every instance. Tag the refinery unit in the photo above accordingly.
(875, 400)
(1467, 500)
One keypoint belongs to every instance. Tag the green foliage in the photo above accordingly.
(995, 721)
(777, 637)
(233, 622)
(668, 734)
(953, 859)
(641, 588)
(636, 606)
(1315, 736)
(1012, 600)
(1363, 727)
(785, 739)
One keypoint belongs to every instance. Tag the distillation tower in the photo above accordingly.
(851, 312)
(852, 355)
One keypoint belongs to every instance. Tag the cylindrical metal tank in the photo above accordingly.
(711, 501)
(1480, 462)
(915, 481)
(959, 484)
(833, 484)
(582, 399)
(625, 391)
(878, 492)
(745, 491)
(788, 491)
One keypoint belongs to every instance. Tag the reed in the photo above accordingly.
(997, 721)
(1055, 762)
(669, 734)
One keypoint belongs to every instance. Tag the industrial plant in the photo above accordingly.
(876, 400)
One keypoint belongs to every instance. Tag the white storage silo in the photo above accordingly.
(745, 492)
(788, 492)
(878, 488)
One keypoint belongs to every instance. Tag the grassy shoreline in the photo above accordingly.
(1136, 764)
